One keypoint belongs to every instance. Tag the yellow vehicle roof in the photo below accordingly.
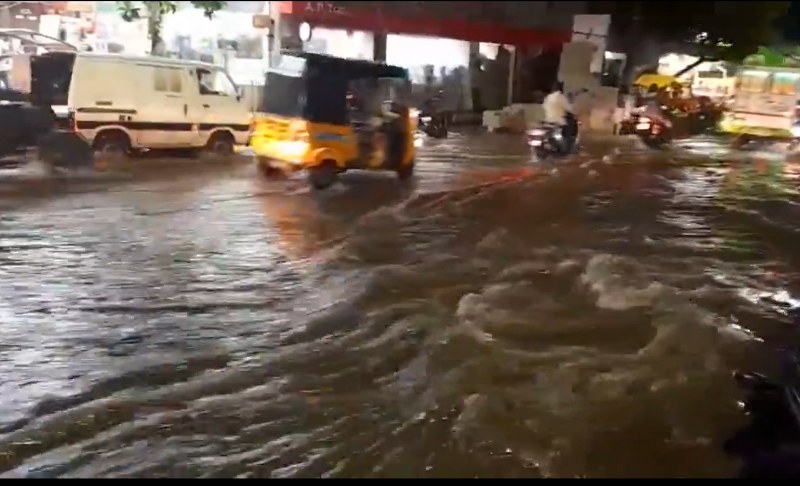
(660, 80)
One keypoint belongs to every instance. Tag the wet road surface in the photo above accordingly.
(494, 317)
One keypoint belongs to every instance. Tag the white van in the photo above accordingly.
(121, 104)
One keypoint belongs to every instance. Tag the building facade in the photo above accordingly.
(477, 46)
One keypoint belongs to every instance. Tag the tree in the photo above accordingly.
(710, 30)
(155, 11)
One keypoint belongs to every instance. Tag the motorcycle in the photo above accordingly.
(432, 121)
(655, 132)
(549, 141)
(434, 126)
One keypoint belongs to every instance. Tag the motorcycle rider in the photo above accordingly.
(558, 111)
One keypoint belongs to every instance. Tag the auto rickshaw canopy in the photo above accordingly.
(315, 86)
(660, 80)
(326, 65)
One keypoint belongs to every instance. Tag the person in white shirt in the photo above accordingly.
(556, 106)
(558, 111)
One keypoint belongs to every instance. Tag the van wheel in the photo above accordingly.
(221, 145)
(112, 146)
(406, 171)
(324, 175)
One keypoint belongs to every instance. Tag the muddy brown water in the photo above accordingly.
(494, 317)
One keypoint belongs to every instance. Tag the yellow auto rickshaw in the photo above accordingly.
(327, 115)
(646, 80)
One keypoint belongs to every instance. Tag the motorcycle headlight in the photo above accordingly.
(425, 119)
(644, 119)
(796, 131)
(536, 132)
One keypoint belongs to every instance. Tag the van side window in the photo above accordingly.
(175, 82)
(161, 79)
(168, 80)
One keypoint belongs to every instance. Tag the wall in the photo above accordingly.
(492, 80)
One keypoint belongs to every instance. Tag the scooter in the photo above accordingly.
(548, 140)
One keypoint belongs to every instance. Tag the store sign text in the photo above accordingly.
(323, 8)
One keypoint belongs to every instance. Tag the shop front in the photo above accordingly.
(228, 38)
(440, 53)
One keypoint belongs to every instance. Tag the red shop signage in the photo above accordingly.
(329, 14)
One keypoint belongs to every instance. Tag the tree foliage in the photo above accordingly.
(719, 30)
(154, 13)
(133, 10)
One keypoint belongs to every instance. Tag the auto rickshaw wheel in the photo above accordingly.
(324, 175)
(406, 171)
(268, 170)
(739, 141)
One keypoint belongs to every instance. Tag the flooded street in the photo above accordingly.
(492, 318)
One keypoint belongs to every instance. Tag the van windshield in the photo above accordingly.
(284, 95)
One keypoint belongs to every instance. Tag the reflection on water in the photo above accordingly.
(495, 319)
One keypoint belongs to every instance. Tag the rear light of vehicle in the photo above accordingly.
(536, 133)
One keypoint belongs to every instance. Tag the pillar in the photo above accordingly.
(379, 47)
(470, 80)
(285, 33)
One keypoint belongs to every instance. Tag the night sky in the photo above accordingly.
(790, 24)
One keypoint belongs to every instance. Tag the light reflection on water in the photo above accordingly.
(483, 322)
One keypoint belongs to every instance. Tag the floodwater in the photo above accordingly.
(494, 318)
